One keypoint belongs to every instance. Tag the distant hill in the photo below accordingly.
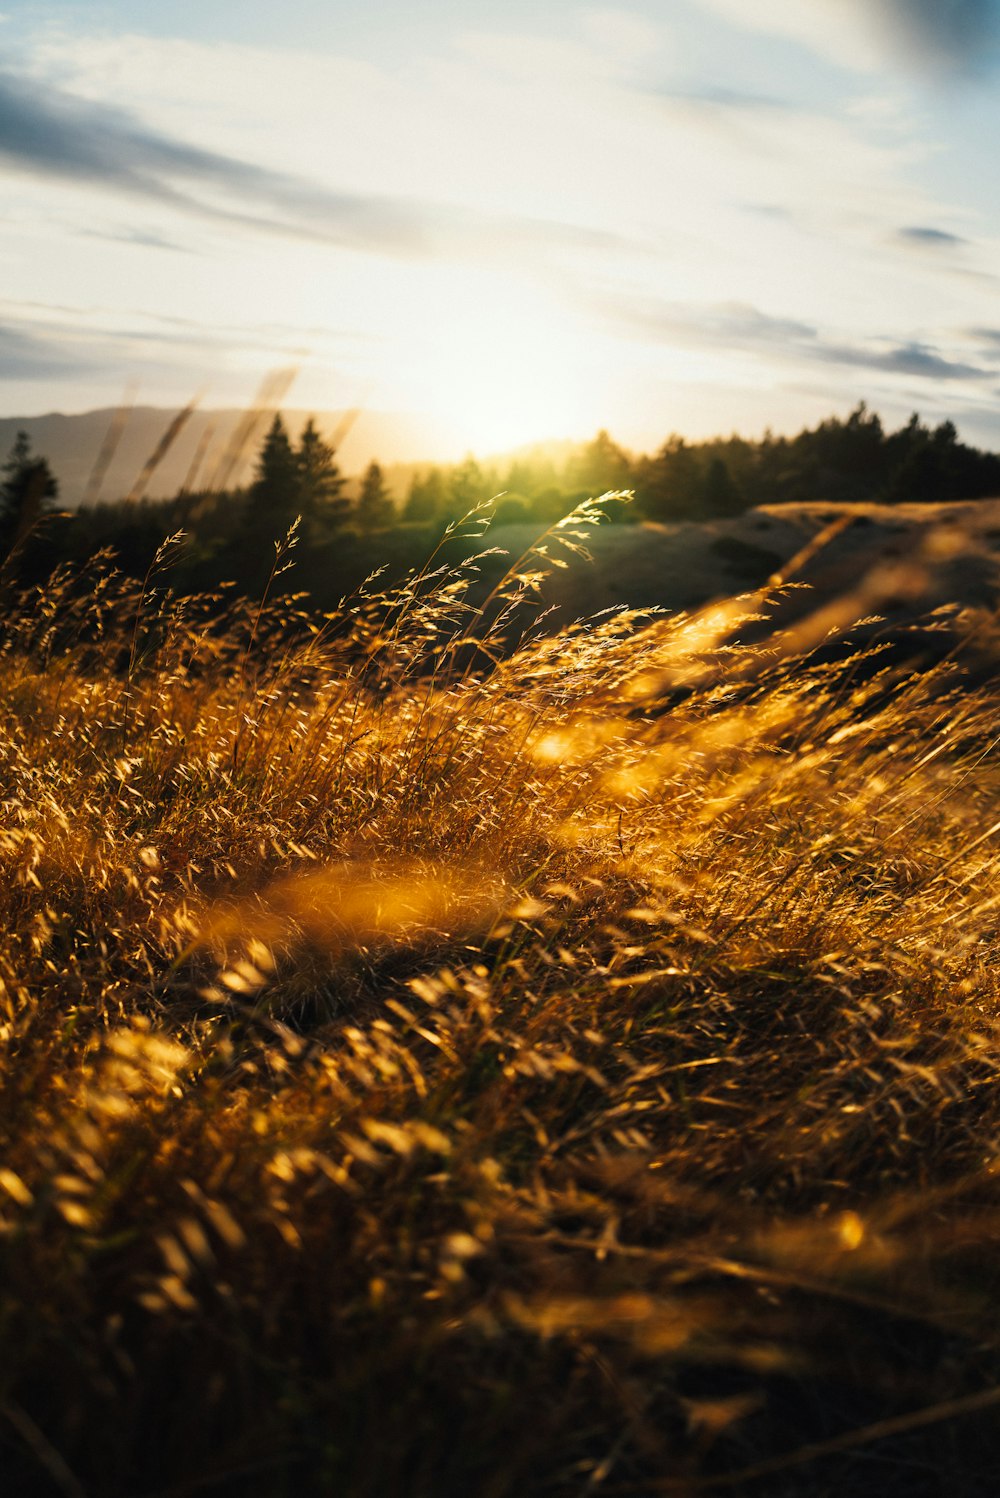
(72, 444)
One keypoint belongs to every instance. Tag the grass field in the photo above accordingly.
(442, 1068)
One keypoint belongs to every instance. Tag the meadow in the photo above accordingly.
(443, 1056)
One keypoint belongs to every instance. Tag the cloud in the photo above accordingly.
(728, 325)
(960, 34)
(925, 237)
(145, 238)
(41, 342)
(715, 96)
(906, 359)
(942, 35)
(739, 328)
(87, 353)
(29, 356)
(45, 130)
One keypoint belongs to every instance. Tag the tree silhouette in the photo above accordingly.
(290, 482)
(273, 501)
(602, 465)
(375, 509)
(25, 494)
(931, 465)
(671, 484)
(467, 487)
(321, 503)
(721, 494)
(426, 499)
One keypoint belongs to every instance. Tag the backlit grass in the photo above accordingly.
(435, 1064)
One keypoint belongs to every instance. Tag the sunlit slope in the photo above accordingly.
(907, 558)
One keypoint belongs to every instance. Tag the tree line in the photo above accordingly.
(853, 460)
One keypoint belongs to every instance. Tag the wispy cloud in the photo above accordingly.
(962, 34)
(917, 359)
(738, 328)
(943, 35)
(48, 343)
(54, 133)
(32, 356)
(923, 236)
(58, 134)
(144, 238)
(713, 95)
(42, 344)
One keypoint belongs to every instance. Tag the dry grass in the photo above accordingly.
(428, 1080)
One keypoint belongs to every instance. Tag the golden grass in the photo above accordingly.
(424, 1079)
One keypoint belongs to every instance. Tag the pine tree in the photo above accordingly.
(322, 505)
(375, 508)
(721, 494)
(467, 487)
(602, 465)
(672, 484)
(427, 498)
(275, 496)
(25, 494)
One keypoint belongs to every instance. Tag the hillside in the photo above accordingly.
(888, 565)
(533, 1082)
(953, 548)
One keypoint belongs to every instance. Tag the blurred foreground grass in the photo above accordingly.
(436, 1066)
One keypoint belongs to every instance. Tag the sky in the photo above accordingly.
(520, 221)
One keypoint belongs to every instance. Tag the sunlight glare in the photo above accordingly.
(503, 370)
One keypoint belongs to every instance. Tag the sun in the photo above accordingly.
(497, 386)
(487, 360)
(499, 368)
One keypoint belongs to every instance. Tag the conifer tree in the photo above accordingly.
(375, 508)
(274, 499)
(467, 487)
(322, 504)
(25, 494)
(721, 494)
(427, 498)
(602, 465)
(672, 482)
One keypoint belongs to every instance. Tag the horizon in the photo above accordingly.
(293, 413)
(71, 443)
(504, 225)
